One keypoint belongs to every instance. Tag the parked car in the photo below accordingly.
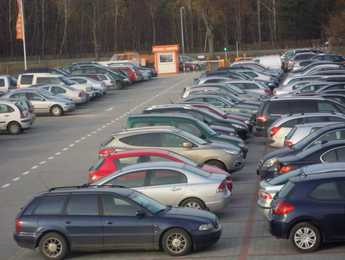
(309, 211)
(76, 95)
(42, 101)
(175, 184)
(323, 135)
(188, 124)
(274, 108)
(252, 86)
(14, 118)
(329, 57)
(280, 128)
(269, 188)
(98, 86)
(332, 151)
(69, 219)
(113, 160)
(301, 131)
(222, 156)
(205, 116)
(7, 83)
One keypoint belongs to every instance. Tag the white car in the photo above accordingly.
(14, 117)
(76, 95)
(98, 86)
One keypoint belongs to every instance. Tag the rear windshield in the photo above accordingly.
(284, 178)
(291, 133)
(284, 192)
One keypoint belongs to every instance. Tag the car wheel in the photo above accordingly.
(305, 237)
(53, 246)
(176, 242)
(14, 128)
(217, 163)
(56, 110)
(193, 203)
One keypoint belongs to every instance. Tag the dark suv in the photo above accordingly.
(274, 108)
(98, 218)
(309, 211)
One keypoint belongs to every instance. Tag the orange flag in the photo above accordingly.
(19, 23)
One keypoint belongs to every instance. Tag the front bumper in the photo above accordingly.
(206, 239)
(68, 108)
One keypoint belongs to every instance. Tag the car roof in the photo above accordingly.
(140, 151)
(301, 115)
(278, 98)
(185, 106)
(324, 167)
(148, 129)
(153, 165)
(313, 177)
(169, 115)
(322, 124)
(82, 189)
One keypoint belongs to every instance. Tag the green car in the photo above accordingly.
(188, 124)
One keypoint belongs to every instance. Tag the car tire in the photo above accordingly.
(56, 110)
(176, 242)
(305, 237)
(14, 128)
(53, 246)
(194, 203)
(217, 163)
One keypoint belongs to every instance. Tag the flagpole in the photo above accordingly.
(24, 42)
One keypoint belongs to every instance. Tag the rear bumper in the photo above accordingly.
(219, 205)
(25, 241)
(25, 124)
(279, 229)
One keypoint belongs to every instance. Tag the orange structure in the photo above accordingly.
(166, 58)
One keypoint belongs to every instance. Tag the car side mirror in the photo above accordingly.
(140, 213)
(187, 145)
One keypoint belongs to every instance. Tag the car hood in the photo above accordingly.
(189, 213)
(278, 153)
(224, 129)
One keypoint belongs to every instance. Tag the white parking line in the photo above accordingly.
(65, 149)
(109, 109)
(25, 173)
(58, 153)
(77, 141)
(88, 136)
(16, 179)
(6, 185)
(34, 167)
(71, 145)
(43, 162)
(51, 157)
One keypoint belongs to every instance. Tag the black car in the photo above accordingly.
(98, 218)
(203, 115)
(332, 151)
(274, 108)
(325, 134)
(329, 57)
(309, 211)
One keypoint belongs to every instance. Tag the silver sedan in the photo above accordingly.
(174, 184)
(76, 95)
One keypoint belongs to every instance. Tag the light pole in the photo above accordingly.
(182, 33)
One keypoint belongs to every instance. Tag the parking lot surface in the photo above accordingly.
(59, 151)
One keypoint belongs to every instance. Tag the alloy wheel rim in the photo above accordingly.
(52, 247)
(193, 204)
(14, 128)
(305, 238)
(56, 111)
(176, 243)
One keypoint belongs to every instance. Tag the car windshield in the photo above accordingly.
(45, 93)
(284, 178)
(151, 205)
(207, 128)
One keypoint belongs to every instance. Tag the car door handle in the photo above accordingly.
(176, 188)
(109, 223)
(67, 222)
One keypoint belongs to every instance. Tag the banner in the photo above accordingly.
(19, 23)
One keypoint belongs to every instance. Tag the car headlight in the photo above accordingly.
(231, 152)
(269, 163)
(205, 227)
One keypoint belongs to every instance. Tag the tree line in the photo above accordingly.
(75, 27)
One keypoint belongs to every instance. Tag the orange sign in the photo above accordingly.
(19, 23)
(164, 48)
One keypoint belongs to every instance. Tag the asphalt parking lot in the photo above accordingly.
(59, 151)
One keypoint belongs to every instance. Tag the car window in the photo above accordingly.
(149, 139)
(26, 79)
(34, 97)
(292, 123)
(130, 180)
(171, 140)
(50, 205)
(341, 154)
(215, 102)
(329, 156)
(190, 128)
(165, 177)
(335, 119)
(324, 106)
(114, 206)
(315, 119)
(126, 161)
(330, 136)
(302, 106)
(5, 109)
(326, 191)
(158, 159)
(2, 82)
(82, 205)
(57, 90)
(281, 107)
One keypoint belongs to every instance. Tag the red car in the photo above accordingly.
(117, 160)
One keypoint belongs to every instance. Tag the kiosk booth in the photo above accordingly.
(166, 58)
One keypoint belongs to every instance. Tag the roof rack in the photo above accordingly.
(69, 187)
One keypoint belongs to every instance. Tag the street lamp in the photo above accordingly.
(182, 33)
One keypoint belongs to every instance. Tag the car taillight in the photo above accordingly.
(265, 195)
(222, 186)
(274, 130)
(18, 226)
(94, 177)
(288, 143)
(283, 208)
(106, 152)
(229, 183)
(261, 119)
(286, 168)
